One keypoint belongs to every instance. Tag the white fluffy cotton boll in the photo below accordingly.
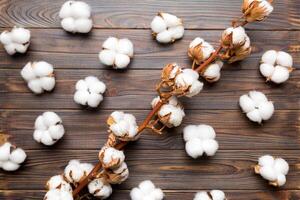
(212, 195)
(276, 66)
(188, 82)
(272, 169)
(116, 52)
(48, 128)
(111, 157)
(99, 188)
(11, 157)
(5, 151)
(75, 171)
(213, 72)
(75, 17)
(167, 28)
(200, 139)
(58, 182)
(89, 91)
(39, 76)
(146, 191)
(238, 37)
(123, 125)
(57, 194)
(15, 41)
(256, 106)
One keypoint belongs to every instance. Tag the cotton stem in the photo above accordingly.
(212, 58)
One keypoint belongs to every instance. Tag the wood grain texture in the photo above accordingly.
(207, 14)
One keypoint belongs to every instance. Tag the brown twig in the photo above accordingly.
(212, 58)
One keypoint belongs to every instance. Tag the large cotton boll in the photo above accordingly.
(254, 116)
(10, 166)
(281, 166)
(81, 97)
(194, 148)
(5, 151)
(284, 59)
(210, 147)
(83, 25)
(266, 160)
(170, 20)
(5, 38)
(111, 43)
(66, 9)
(81, 10)
(269, 57)
(20, 35)
(246, 103)
(18, 156)
(47, 83)
(121, 60)
(35, 86)
(266, 110)
(176, 32)
(27, 72)
(158, 24)
(268, 173)
(125, 46)
(280, 74)
(266, 69)
(107, 57)
(68, 24)
(164, 37)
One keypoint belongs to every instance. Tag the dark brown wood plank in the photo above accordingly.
(139, 13)
(169, 194)
(173, 170)
(234, 130)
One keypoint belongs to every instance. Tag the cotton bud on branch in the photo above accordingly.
(111, 157)
(211, 195)
(256, 10)
(99, 188)
(117, 175)
(167, 28)
(75, 17)
(58, 182)
(146, 191)
(15, 41)
(39, 76)
(200, 50)
(256, 106)
(76, 171)
(276, 66)
(212, 72)
(272, 169)
(116, 52)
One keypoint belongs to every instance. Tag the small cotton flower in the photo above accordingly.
(100, 188)
(111, 157)
(57, 194)
(200, 50)
(272, 169)
(15, 41)
(11, 157)
(167, 28)
(58, 182)
(146, 191)
(256, 10)
(200, 139)
(276, 66)
(123, 125)
(212, 195)
(170, 114)
(213, 71)
(76, 17)
(76, 171)
(256, 106)
(116, 52)
(48, 128)
(89, 91)
(118, 175)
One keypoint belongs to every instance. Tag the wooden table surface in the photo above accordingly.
(161, 159)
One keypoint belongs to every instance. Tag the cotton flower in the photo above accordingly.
(276, 66)
(89, 91)
(11, 157)
(200, 50)
(118, 175)
(39, 76)
(111, 157)
(123, 126)
(76, 171)
(256, 106)
(57, 194)
(58, 182)
(116, 52)
(187, 83)
(15, 41)
(272, 169)
(100, 188)
(170, 114)
(167, 28)
(212, 195)
(48, 128)
(213, 71)
(200, 139)
(256, 10)
(76, 17)
(146, 191)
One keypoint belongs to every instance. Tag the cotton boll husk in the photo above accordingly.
(266, 69)
(111, 43)
(20, 35)
(18, 156)
(51, 118)
(281, 166)
(210, 147)
(176, 32)
(158, 24)
(35, 86)
(254, 116)
(68, 24)
(190, 132)
(267, 172)
(269, 57)
(284, 59)
(47, 139)
(27, 72)
(170, 20)
(164, 37)
(258, 97)
(147, 186)
(266, 160)
(83, 25)
(94, 100)
(66, 9)
(107, 57)
(125, 46)
(10, 166)
(281, 179)
(56, 131)
(47, 83)
(121, 60)
(10, 48)
(194, 148)
(5, 151)
(80, 10)
(5, 38)
(280, 74)
(266, 110)
(81, 97)
(217, 195)
(202, 196)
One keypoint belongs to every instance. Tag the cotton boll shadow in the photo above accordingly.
(79, 35)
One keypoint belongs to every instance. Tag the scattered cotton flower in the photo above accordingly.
(39, 76)
(15, 41)
(100, 188)
(272, 169)
(146, 191)
(123, 125)
(256, 10)
(89, 91)
(276, 66)
(116, 52)
(76, 171)
(211, 195)
(76, 17)
(256, 106)
(11, 157)
(213, 71)
(167, 28)
(200, 139)
(48, 128)
(170, 114)
(200, 50)
(111, 157)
